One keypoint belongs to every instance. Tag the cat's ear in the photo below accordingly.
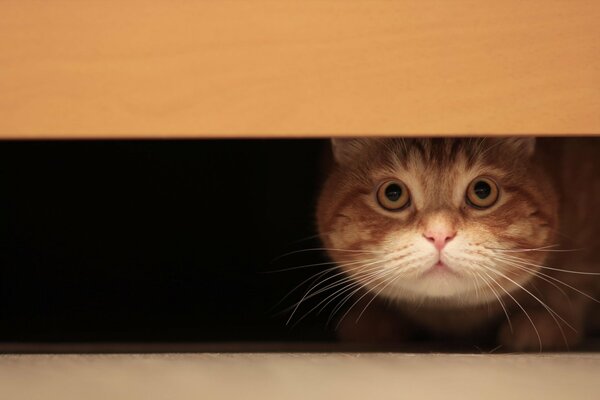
(346, 150)
(524, 145)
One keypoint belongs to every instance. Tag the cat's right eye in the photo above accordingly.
(393, 195)
(482, 193)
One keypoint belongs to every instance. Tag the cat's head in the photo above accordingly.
(448, 220)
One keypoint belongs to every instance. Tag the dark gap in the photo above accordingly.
(155, 241)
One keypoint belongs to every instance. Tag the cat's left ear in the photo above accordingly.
(347, 150)
(524, 145)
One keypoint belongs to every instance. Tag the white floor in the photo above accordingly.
(300, 376)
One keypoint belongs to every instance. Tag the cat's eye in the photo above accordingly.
(482, 193)
(393, 195)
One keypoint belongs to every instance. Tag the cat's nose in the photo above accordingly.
(440, 236)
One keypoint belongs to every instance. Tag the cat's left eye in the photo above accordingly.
(393, 195)
(482, 193)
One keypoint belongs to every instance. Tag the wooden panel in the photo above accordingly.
(300, 376)
(284, 67)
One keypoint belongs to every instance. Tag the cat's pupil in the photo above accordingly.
(393, 192)
(482, 189)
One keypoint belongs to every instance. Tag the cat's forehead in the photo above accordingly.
(432, 161)
(439, 153)
(435, 171)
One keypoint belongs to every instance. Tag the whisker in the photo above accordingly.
(323, 281)
(550, 310)
(326, 249)
(300, 267)
(562, 283)
(313, 285)
(360, 282)
(375, 296)
(533, 272)
(549, 249)
(349, 296)
(475, 283)
(354, 283)
(552, 313)
(360, 275)
(368, 268)
(363, 284)
(498, 297)
(395, 270)
(568, 271)
(316, 277)
(520, 306)
(304, 239)
(494, 349)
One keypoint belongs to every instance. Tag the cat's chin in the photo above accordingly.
(438, 286)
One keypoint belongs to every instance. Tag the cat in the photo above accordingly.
(465, 237)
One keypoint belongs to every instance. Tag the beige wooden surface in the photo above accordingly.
(284, 67)
(300, 376)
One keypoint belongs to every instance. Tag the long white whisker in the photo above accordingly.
(520, 306)
(304, 239)
(498, 297)
(363, 284)
(376, 295)
(317, 276)
(568, 271)
(349, 296)
(533, 272)
(356, 283)
(327, 249)
(373, 274)
(552, 313)
(360, 275)
(545, 249)
(556, 280)
(395, 270)
(475, 281)
(347, 283)
(326, 280)
(298, 267)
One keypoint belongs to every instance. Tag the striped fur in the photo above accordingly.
(398, 258)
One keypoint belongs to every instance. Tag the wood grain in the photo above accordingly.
(107, 68)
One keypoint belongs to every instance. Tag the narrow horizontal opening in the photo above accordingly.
(204, 245)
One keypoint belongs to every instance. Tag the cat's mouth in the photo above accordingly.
(439, 268)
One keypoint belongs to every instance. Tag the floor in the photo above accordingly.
(300, 376)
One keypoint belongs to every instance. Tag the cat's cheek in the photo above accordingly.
(349, 236)
(527, 230)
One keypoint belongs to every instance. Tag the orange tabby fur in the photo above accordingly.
(498, 259)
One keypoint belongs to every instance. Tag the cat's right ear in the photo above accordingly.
(346, 150)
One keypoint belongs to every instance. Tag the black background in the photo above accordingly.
(156, 240)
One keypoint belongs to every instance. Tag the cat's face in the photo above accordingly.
(437, 219)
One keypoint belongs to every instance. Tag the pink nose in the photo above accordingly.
(440, 236)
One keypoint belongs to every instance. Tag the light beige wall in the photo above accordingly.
(285, 67)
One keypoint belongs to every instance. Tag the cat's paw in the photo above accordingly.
(548, 336)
